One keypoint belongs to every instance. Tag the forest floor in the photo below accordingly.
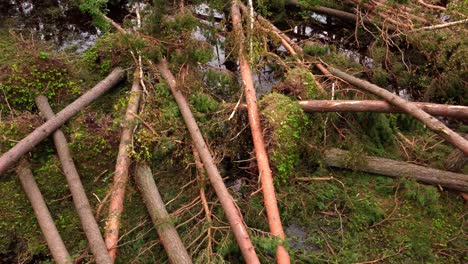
(329, 214)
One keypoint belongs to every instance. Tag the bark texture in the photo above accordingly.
(88, 222)
(122, 165)
(54, 241)
(266, 177)
(227, 202)
(387, 167)
(454, 111)
(167, 233)
(40, 133)
(431, 122)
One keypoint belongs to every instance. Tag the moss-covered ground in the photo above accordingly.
(329, 215)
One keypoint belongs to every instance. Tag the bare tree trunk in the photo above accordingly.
(51, 234)
(266, 177)
(431, 122)
(227, 202)
(89, 224)
(454, 111)
(387, 167)
(167, 233)
(121, 169)
(40, 133)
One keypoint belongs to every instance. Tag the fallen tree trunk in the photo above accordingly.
(428, 120)
(167, 233)
(387, 167)
(49, 230)
(122, 164)
(325, 106)
(227, 202)
(333, 12)
(89, 224)
(265, 174)
(454, 111)
(40, 133)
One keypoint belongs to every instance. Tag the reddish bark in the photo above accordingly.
(454, 111)
(266, 177)
(227, 202)
(122, 164)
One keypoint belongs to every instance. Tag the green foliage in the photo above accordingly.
(20, 85)
(111, 50)
(203, 103)
(315, 49)
(222, 83)
(287, 124)
(379, 128)
(379, 77)
(181, 24)
(199, 52)
(426, 196)
(96, 8)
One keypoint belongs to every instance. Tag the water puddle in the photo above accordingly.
(58, 21)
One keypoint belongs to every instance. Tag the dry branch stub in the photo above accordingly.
(431, 122)
(122, 165)
(227, 202)
(265, 174)
(40, 133)
(392, 168)
(83, 208)
(170, 239)
(49, 230)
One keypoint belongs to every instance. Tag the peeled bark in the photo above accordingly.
(88, 222)
(167, 233)
(454, 111)
(40, 133)
(49, 230)
(266, 177)
(431, 122)
(387, 167)
(227, 202)
(116, 204)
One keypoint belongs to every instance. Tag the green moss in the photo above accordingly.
(315, 49)
(287, 124)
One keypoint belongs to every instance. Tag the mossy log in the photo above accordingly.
(428, 120)
(40, 133)
(121, 175)
(49, 230)
(227, 202)
(392, 168)
(83, 208)
(167, 233)
(263, 163)
(454, 111)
